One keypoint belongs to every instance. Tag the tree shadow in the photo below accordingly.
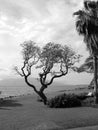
(4, 108)
(9, 103)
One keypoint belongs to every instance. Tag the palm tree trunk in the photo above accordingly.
(95, 79)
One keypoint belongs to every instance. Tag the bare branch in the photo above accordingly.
(22, 69)
(28, 70)
(57, 76)
(18, 72)
(31, 85)
(43, 78)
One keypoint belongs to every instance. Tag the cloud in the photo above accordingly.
(23, 8)
(39, 20)
(36, 17)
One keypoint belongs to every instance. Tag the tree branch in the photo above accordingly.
(22, 69)
(43, 87)
(28, 83)
(43, 78)
(18, 72)
(57, 76)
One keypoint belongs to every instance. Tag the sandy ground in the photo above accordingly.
(25, 113)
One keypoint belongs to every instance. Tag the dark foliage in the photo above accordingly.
(88, 102)
(9, 103)
(64, 101)
(82, 96)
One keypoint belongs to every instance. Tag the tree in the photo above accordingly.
(87, 25)
(88, 67)
(55, 61)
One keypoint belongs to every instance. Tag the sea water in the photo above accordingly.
(13, 87)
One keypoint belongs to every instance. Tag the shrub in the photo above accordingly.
(88, 102)
(82, 96)
(64, 101)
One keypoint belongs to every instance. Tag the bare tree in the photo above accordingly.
(55, 60)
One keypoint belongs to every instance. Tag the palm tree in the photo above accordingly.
(88, 67)
(87, 25)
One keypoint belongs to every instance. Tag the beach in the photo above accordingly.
(26, 113)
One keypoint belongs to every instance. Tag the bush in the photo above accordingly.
(88, 102)
(64, 101)
(82, 96)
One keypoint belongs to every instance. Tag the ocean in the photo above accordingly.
(16, 87)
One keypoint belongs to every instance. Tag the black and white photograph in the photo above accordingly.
(48, 64)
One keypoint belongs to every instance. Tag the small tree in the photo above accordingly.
(55, 60)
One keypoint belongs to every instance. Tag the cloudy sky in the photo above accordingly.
(41, 21)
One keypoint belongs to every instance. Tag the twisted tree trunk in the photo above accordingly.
(42, 95)
(40, 92)
(95, 79)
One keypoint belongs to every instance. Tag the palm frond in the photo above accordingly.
(87, 66)
(87, 25)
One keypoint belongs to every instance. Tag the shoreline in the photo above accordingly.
(50, 94)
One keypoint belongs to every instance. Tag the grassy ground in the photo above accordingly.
(25, 113)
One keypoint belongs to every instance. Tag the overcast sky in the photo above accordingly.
(41, 21)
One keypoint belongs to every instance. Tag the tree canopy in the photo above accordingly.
(56, 60)
(53, 59)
